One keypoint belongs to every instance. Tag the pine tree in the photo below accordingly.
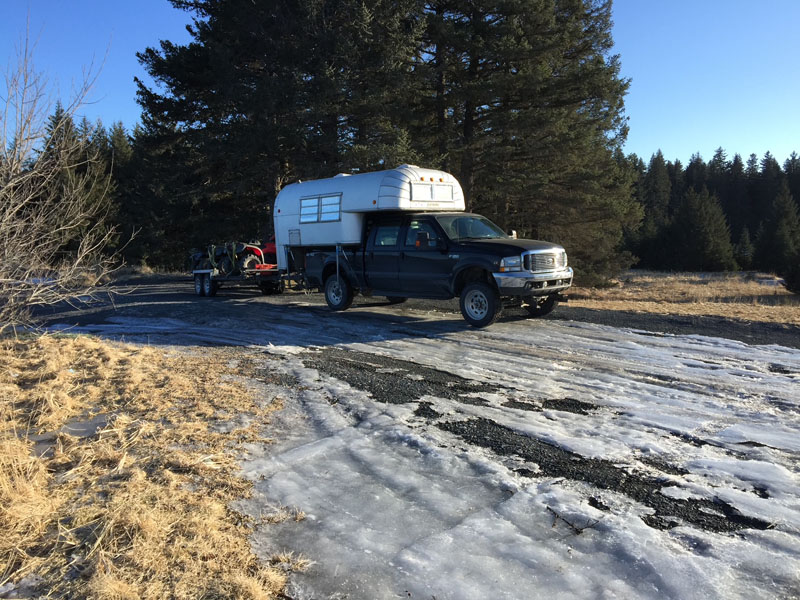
(737, 204)
(677, 180)
(696, 174)
(701, 236)
(743, 250)
(657, 191)
(718, 174)
(779, 243)
(267, 93)
(527, 102)
(79, 151)
(791, 168)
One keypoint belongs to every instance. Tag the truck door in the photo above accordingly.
(381, 264)
(425, 264)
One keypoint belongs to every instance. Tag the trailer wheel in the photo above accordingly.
(198, 284)
(271, 288)
(541, 307)
(480, 304)
(338, 293)
(210, 286)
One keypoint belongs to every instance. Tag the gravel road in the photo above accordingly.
(160, 296)
(640, 417)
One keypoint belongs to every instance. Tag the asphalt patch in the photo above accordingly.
(568, 405)
(717, 516)
(522, 405)
(425, 411)
(393, 380)
(780, 369)
(662, 466)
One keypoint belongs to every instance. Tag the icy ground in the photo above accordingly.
(533, 459)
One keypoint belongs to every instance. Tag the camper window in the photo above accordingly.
(329, 208)
(320, 209)
(309, 210)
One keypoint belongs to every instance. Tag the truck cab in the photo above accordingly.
(442, 256)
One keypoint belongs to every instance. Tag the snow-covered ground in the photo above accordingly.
(586, 462)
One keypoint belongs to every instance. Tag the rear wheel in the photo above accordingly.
(198, 284)
(210, 286)
(480, 304)
(539, 307)
(338, 293)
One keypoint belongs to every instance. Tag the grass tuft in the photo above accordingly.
(746, 296)
(117, 470)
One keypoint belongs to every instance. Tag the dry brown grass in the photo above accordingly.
(747, 296)
(139, 509)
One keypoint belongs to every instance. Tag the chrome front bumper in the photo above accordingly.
(525, 283)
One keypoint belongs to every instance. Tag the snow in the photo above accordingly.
(398, 507)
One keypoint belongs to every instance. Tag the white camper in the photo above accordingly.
(330, 212)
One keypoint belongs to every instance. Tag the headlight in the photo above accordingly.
(511, 263)
(564, 258)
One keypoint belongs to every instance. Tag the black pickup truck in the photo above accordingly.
(442, 255)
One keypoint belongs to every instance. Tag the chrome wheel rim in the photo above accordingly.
(476, 305)
(335, 292)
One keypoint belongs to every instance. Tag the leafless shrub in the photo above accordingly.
(53, 200)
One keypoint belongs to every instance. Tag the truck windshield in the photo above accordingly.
(469, 227)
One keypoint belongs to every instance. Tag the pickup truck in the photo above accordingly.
(441, 255)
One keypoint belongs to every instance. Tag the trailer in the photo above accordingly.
(236, 264)
(207, 282)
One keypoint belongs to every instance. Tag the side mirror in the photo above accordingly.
(513, 234)
(423, 239)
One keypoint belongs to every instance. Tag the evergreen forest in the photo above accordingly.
(522, 100)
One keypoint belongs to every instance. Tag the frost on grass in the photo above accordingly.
(139, 507)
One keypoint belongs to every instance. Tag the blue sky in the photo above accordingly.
(705, 73)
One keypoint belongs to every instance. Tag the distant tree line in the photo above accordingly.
(723, 215)
(522, 100)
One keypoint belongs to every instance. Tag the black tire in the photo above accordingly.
(338, 293)
(395, 299)
(210, 286)
(198, 284)
(537, 307)
(271, 288)
(248, 262)
(480, 304)
(225, 266)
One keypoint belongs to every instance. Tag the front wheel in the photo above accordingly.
(480, 304)
(537, 307)
(338, 293)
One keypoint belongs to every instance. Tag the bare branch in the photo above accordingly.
(54, 199)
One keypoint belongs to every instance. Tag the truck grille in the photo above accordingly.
(544, 261)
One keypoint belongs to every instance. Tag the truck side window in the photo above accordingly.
(416, 227)
(386, 235)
